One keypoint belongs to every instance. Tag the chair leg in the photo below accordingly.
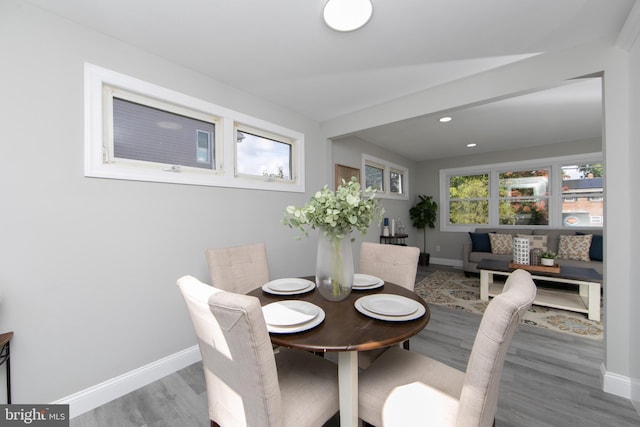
(405, 345)
(214, 424)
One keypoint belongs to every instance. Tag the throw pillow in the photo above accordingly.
(480, 242)
(575, 247)
(595, 251)
(536, 241)
(501, 243)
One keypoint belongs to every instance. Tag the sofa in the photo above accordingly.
(479, 246)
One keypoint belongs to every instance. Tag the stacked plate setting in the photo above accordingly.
(288, 286)
(364, 282)
(287, 317)
(389, 307)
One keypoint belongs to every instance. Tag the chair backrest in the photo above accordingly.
(391, 263)
(238, 269)
(479, 397)
(237, 356)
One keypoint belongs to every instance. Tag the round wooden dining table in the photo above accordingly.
(346, 331)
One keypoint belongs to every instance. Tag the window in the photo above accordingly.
(468, 199)
(203, 147)
(524, 197)
(139, 131)
(261, 154)
(156, 132)
(396, 182)
(561, 193)
(390, 180)
(583, 183)
(374, 176)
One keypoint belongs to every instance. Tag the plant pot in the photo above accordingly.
(550, 262)
(334, 267)
(423, 260)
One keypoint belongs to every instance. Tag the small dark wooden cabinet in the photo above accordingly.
(397, 239)
(5, 358)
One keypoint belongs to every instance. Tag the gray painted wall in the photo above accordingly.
(88, 266)
(348, 151)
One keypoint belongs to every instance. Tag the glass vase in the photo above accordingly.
(334, 266)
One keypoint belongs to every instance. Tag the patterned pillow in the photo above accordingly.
(536, 242)
(575, 247)
(501, 243)
(596, 250)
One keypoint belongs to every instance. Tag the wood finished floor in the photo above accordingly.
(550, 380)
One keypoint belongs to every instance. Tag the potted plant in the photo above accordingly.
(548, 258)
(423, 215)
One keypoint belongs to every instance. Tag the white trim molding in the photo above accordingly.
(456, 263)
(616, 384)
(630, 30)
(99, 394)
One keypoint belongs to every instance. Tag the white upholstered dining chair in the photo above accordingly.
(238, 269)
(391, 263)
(404, 388)
(247, 385)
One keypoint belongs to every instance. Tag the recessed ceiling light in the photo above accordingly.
(445, 119)
(347, 15)
(471, 145)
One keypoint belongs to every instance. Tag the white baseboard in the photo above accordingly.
(615, 383)
(635, 394)
(99, 394)
(446, 261)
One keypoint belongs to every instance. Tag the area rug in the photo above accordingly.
(452, 289)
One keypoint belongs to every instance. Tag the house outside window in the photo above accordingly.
(582, 184)
(155, 134)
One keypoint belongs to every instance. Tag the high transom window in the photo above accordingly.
(390, 180)
(139, 131)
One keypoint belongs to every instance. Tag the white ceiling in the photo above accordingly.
(281, 51)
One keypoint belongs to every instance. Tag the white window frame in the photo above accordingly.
(241, 127)
(386, 176)
(555, 189)
(98, 163)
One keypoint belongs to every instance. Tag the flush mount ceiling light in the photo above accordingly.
(445, 119)
(347, 15)
(472, 145)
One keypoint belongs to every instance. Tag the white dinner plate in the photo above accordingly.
(418, 309)
(288, 286)
(390, 305)
(289, 313)
(365, 282)
(314, 314)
